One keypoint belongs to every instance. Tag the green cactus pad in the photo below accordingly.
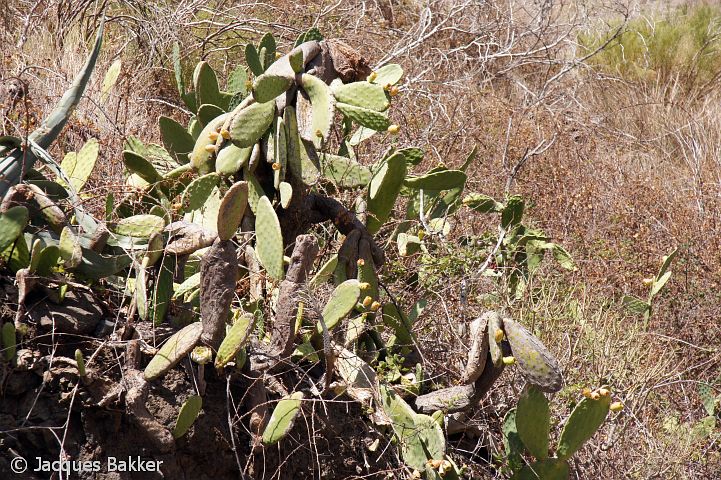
(253, 59)
(200, 158)
(96, 266)
(494, 324)
(81, 362)
(237, 81)
(173, 351)
(234, 340)
(482, 203)
(344, 172)
(548, 469)
(47, 260)
(383, 191)
(533, 421)
(269, 85)
(394, 319)
(141, 293)
(78, 166)
(9, 341)
(443, 180)
(176, 139)
(512, 443)
(191, 283)
(205, 83)
(360, 135)
(207, 215)
(362, 94)
(294, 145)
(536, 363)
(323, 108)
(341, 303)
(208, 113)
(424, 442)
(585, 419)
(268, 46)
(140, 226)
(196, 194)
(154, 251)
(248, 124)
(512, 213)
(281, 153)
(188, 413)
(295, 59)
(231, 159)
(408, 244)
(162, 291)
(139, 165)
(365, 117)
(413, 155)
(12, 223)
(283, 418)
(286, 194)
(232, 209)
(324, 273)
(269, 239)
(70, 250)
(388, 74)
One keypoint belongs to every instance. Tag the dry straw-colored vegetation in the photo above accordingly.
(604, 116)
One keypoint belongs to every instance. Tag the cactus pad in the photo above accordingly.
(388, 74)
(235, 339)
(176, 139)
(362, 94)
(537, 364)
(323, 108)
(9, 341)
(270, 85)
(383, 191)
(187, 415)
(173, 351)
(585, 419)
(232, 209)
(442, 180)
(231, 158)
(283, 418)
(196, 194)
(365, 117)
(78, 166)
(139, 165)
(286, 194)
(201, 158)
(12, 224)
(249, 123)
(548, 469)
(341, 302)
(533, 421)
(205, 83)
(345, 172)
(140, 226)
(269, 239)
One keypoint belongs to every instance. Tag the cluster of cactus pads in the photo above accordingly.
(231, 197)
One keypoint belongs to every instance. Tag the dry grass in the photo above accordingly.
(633, 172)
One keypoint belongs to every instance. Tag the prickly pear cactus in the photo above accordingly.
(283, 418)
(585, 419)
(188, 414)
(537, 364)
(533, 421)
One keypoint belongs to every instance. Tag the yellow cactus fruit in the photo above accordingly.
(278, 55)
(372, 77)
(648, 281)
(394, 129)
(248, 85)
(367, 302)
(387, 87)
(318, 133)
(616, 406)
(499, 335)
(509, 360)
(364, 285)
(587, 392)
(210, 148)
(445, 467)
(213, 136)
(375, 306)
(276, 166)
(434, 464)
(595, 395)
(394, 91)
(360, 262)
(201, 355)
(225, 134)
(604, 392)
(421, 234)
